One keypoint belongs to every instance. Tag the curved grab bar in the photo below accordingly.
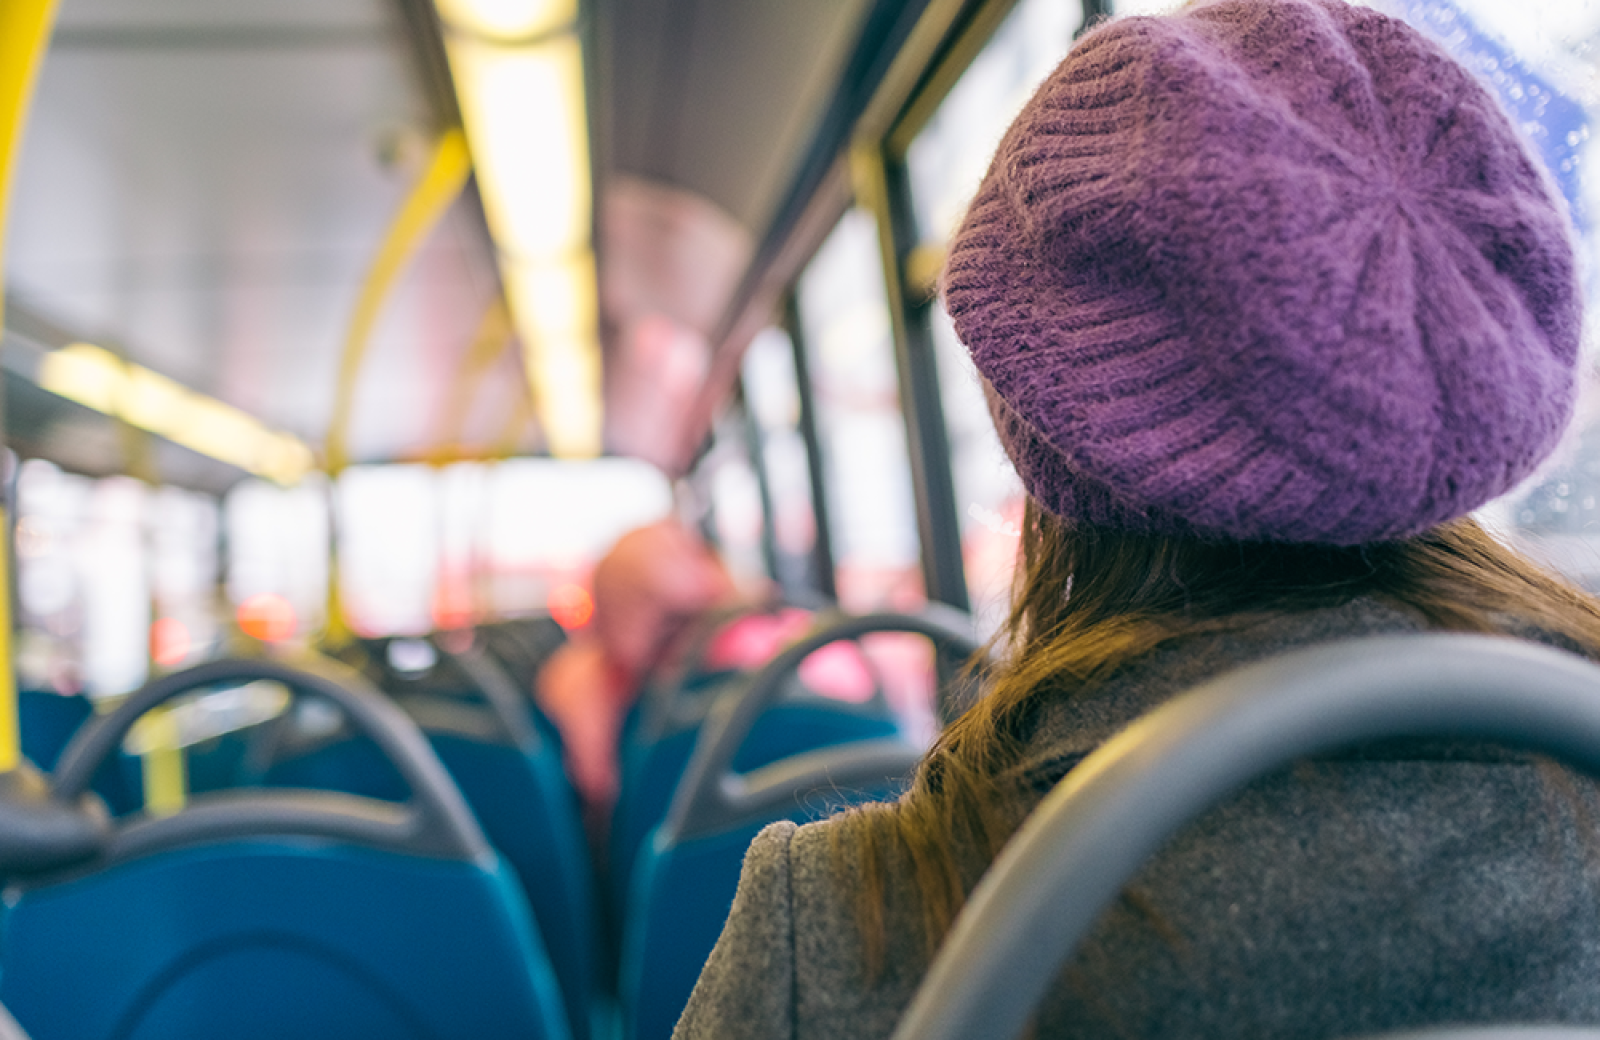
(710, 795)
(435, 822)
(499, 690)
(666, 680)
(1091, 834)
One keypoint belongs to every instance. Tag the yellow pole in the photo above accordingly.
(493, 338)
(24, 35)
(162, 762)
(443, 180)
(440, 184)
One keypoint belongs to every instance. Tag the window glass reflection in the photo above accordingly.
(844, 315)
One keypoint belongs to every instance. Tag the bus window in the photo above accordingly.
(278, 546)
(944, 164)
(730, 490)
(547, 522)
(52, 508)
(772, 398)
(116, 587)
(388, 548)
(844, 320)
(184, 565)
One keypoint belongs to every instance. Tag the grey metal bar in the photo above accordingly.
(883, 186)
(822, 564)
(755, 445)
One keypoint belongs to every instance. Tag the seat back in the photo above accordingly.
(651, 772)
(512, 779)
(1107, 816)
(665, 726)
(278, 913)
(687, 874)
(47, 721)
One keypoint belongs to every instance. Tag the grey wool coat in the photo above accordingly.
(1396, 886)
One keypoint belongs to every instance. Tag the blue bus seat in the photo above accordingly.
(651, 772)
(519, 793)
(280, 913)
(277, 938)
(687, 874)
(48, 720)
(685, 880)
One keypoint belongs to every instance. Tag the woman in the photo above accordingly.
(1267, 297)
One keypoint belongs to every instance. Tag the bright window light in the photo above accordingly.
(508, 19)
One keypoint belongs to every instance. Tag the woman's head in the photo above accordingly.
(1266, 296)
(1267, 270)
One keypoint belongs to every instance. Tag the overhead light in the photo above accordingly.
(554, 299)
(508, 19)
(564, 377)
(88, 375)
(525, 120)
(98, 379)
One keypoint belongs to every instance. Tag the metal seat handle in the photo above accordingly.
(438, 818)
(710, 794)
(1091, 834)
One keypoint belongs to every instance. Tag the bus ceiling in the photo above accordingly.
(203, 189)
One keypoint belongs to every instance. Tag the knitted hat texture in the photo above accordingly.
(1270, 270)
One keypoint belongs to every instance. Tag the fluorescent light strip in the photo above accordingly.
(525, 119)
(508, 20)
(98, 379)
(523, 107)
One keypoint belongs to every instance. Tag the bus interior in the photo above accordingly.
(342, 338)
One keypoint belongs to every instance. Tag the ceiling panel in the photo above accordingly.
(720, 97)
(203, 186)
(204, 183)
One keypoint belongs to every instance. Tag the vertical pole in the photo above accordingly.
(822, 567)
(24, 35)
(755, 445)
(432, 195)
(882, 187)
(1094, 12)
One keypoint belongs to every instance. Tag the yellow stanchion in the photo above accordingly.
(161, 761)
(438, 187)
(522, 414)
(24, 34)
(443, 180)
(493, 338)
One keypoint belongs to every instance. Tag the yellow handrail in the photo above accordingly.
(443, 180)
(438, 187)
(24, 35)
(493, 338)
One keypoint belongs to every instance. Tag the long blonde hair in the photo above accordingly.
(1089, 601)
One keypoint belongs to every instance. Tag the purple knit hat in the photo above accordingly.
(1269, 270)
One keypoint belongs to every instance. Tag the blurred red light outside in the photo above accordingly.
(266, 616)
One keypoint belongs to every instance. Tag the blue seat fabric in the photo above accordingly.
(259, 939)
(529, 814)
(681, 897)
(47, 720)
(650, 772)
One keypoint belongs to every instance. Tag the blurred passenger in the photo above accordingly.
(647, 588)
(1268, 296)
